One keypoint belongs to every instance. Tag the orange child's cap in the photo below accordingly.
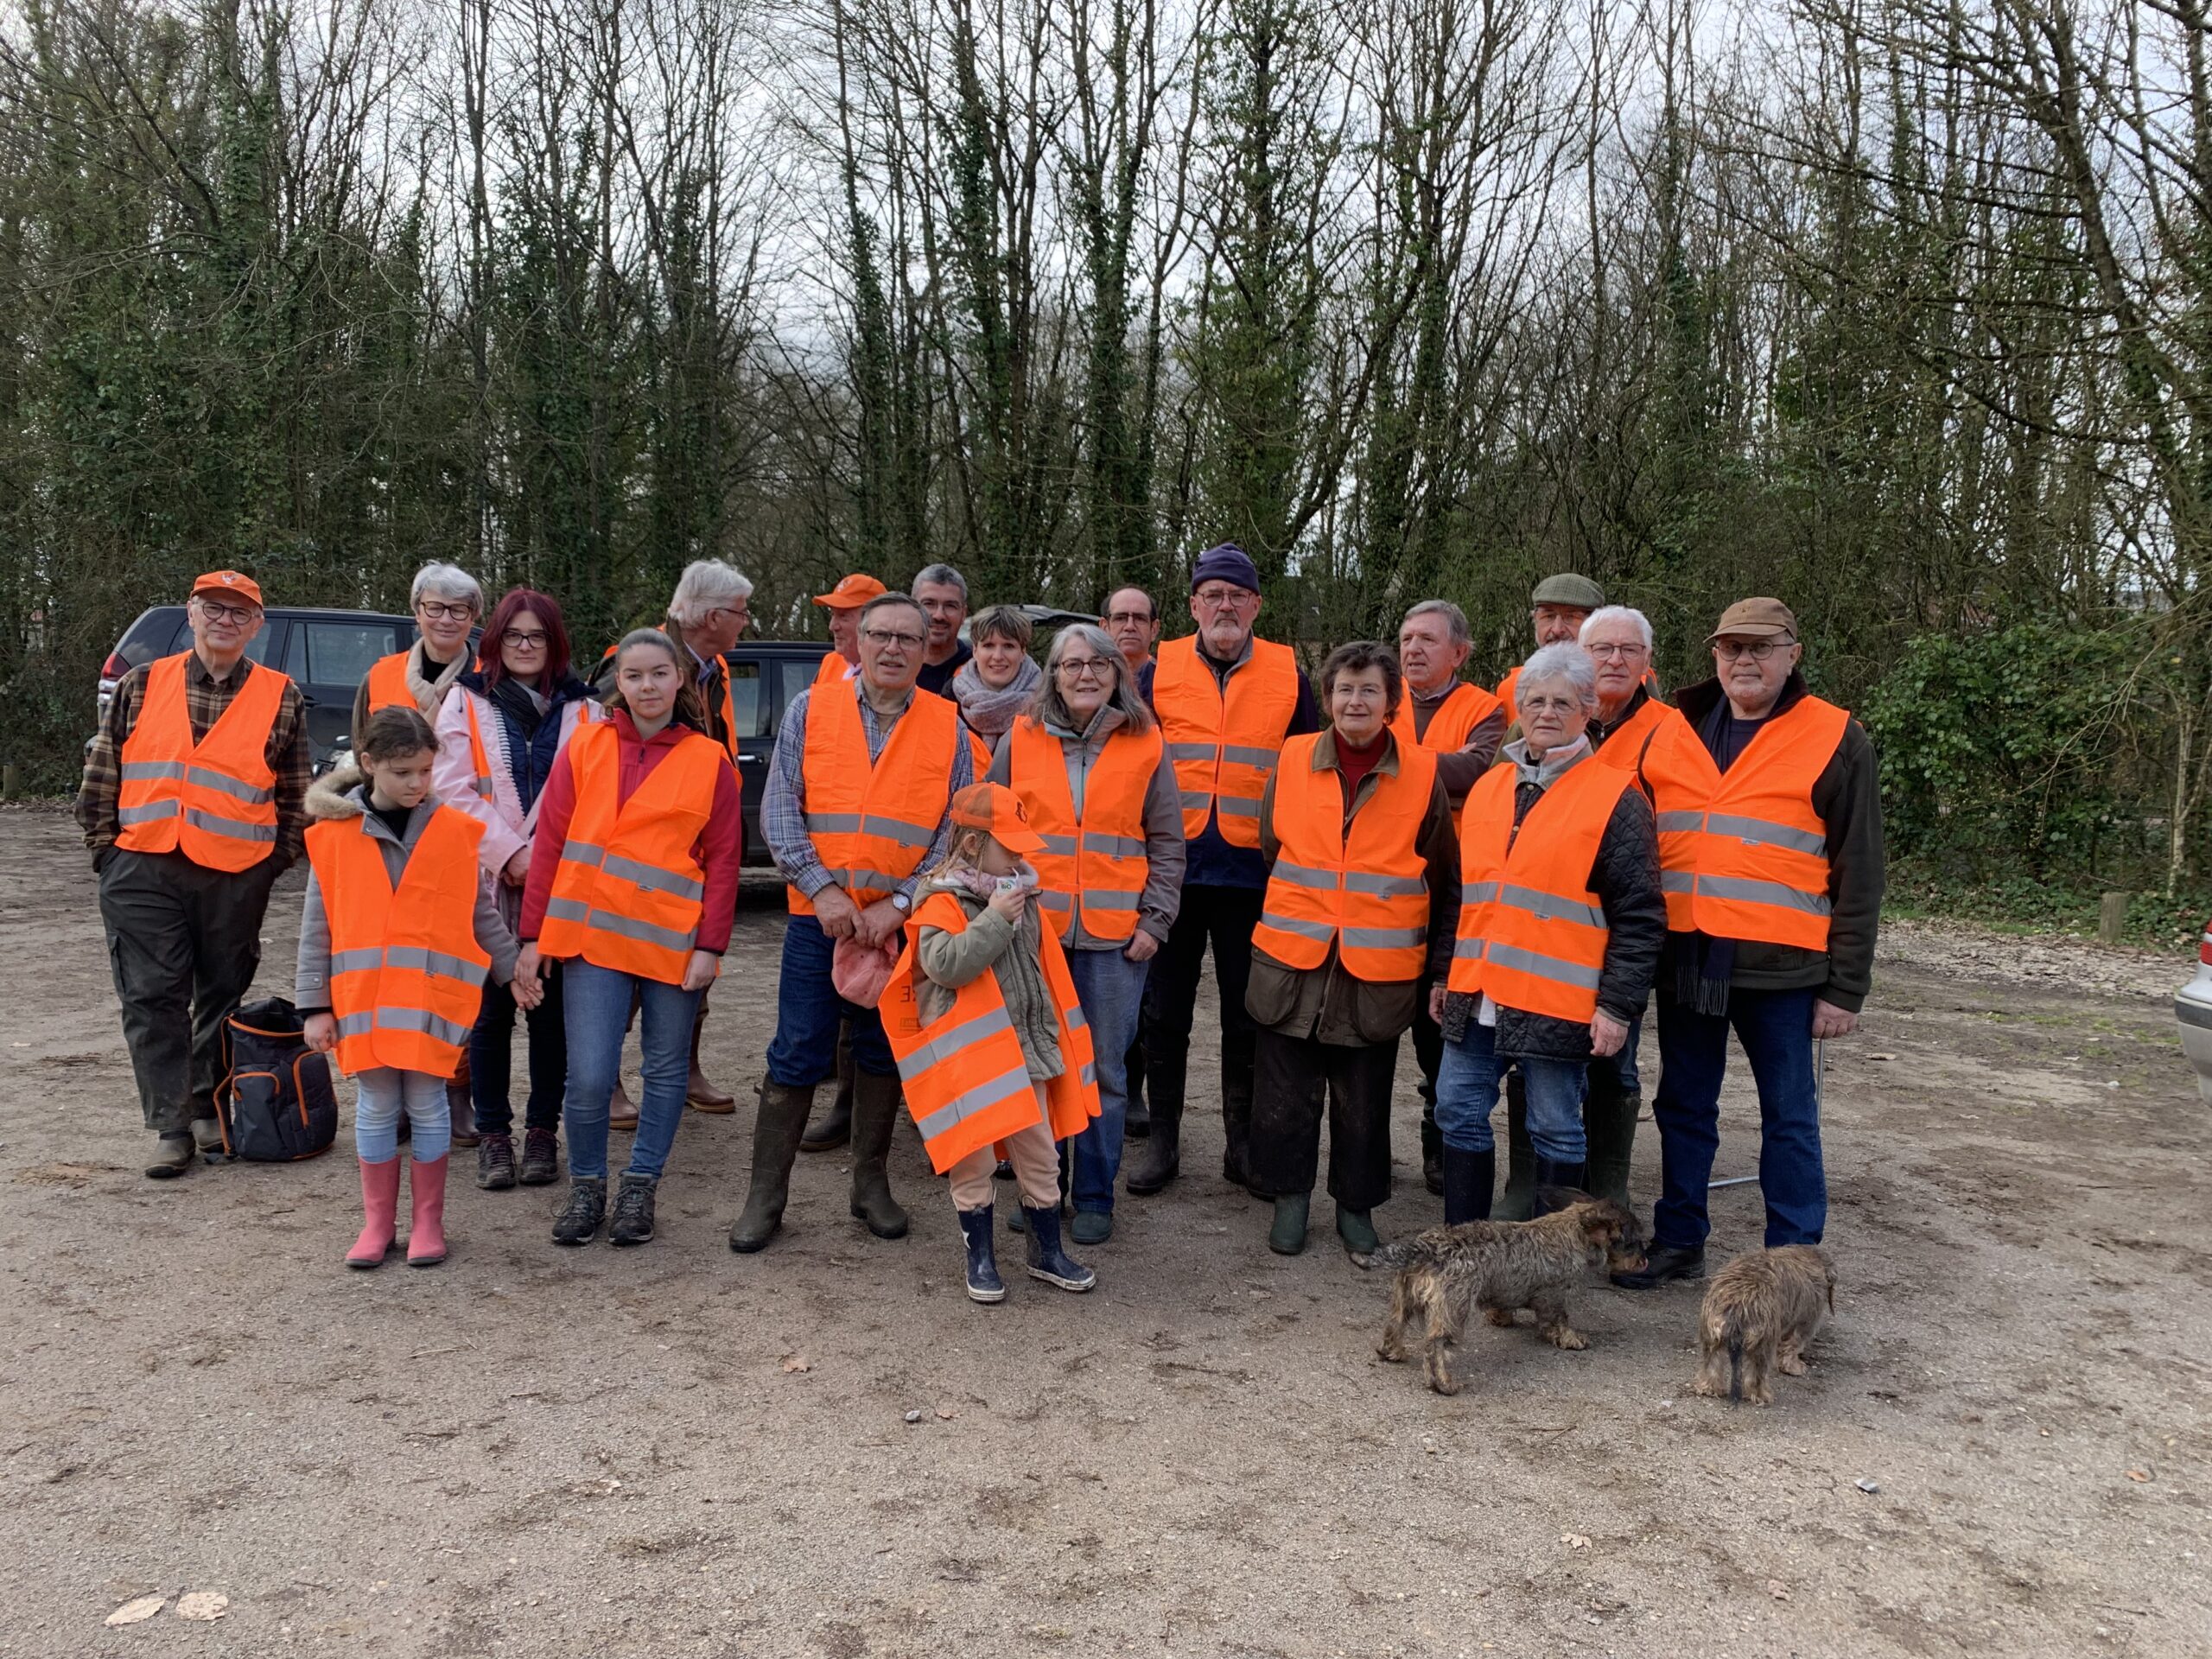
(851, 593)
(997, 809)
(228, 581)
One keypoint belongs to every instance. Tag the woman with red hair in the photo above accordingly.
(498, 735)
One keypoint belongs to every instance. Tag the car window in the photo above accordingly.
(795, 675)
(259, 649)
(337, 653)
(747, 707)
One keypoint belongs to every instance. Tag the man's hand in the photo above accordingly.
(322, 1032)
(1606, 1034)
(515, 871)
(699, 971)
(1829, 1021)
(1143, 946)
(835, 910)
(1437, 992)
(879, 922)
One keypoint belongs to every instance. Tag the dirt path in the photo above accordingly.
(539, 1451)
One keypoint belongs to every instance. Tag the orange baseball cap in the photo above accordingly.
(997, 809)
(228, 581)
(851, 593)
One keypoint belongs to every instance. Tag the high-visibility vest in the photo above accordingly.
(479, 760)
(834, 670)
(214, 801)
(1224, 738)
(1452, 724)
(406, 972)
(387, 683)
(965, 1080)
(1656, 725)
(1505, 690)
(1532, 931)
(729, 702)
(1742, 853)
(872, 825)
(1095, 867)
(1364, 889)
(628, 893)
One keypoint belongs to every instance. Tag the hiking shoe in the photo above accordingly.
(633, 1212)
(495, 1163)
(541, 1157)
(172, 1156)
(587, 1209)
(1663, 1263)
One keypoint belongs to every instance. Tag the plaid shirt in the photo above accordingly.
(205, 699)
(783, 802)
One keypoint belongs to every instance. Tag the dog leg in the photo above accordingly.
(1500, 1316)
(1791, 1363)
(1392, 1347)
(1713, 1375)
(1443, 1333)
(1552, 1325)
(1439, 1366)
(1758, 1374)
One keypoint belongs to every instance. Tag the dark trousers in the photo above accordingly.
(491, 1058)
(1224, 918)
(1776, 1028)
(1428, 1054)
(184, 941)
(1293, 1075)
(809, 1013)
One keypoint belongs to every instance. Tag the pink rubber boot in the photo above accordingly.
(426, 1233)
(380, 1205)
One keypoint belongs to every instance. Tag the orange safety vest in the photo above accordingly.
(1364, 888)
(1095, 865)
(1532, 933)
(628, 892)
(872, 825)
(730, 703)
(214, 801)
(1452, 724)
(1506, 688)
(406, 972)
(1742, 853)
(834, 670)
(1224, 737)
(965, 1080)
(387, 683)
(1656, 725)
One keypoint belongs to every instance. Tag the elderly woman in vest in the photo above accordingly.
(1560, 923)
(498, 735)
(1362, 893)
(632, 886)
(1089, 769)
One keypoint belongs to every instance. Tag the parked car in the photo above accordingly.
(328, 654)
(2193, 1013)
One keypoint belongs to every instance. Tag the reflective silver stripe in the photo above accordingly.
(1055, 900)
(355, 962)
(1761, 892)
(1232, 753)
(1196, 800)
(484, 785)
(1191, 751)
(223, 784)
(416, 1020)
(1542, 967)
(1089, 1075)
(950, 1042)
(1383, 939)
(1549, 907)
(1109, 897)
(899, 831)
(418, 960)
(1075, 1020)
(833, 824)
(982, 1097)
(1675, 822)
(1235, 809)
(1467, 951)
(1477, 893)
(148, 814)
(571, 910)
(583, 853)
(1304, 875)
(1104, 846)
(1676, 881)
(1765, 831)
(865, 881)
(1386, 886)
(231, 826)
(1063, 845)
(1322, 930)
(644, 876)
(139, 771)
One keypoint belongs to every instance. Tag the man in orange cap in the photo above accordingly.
(843, 602)
(194, 803)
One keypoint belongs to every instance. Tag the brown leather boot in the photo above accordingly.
(461, 1106)
(621, 1111)
(701, 1095)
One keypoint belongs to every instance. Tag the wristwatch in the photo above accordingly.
(902, 903)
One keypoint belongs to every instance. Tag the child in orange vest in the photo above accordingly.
(976, 914)
(398, 936)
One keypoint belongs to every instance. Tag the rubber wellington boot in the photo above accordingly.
(380, 1210)
(1356, 1229)
(1288, 1235)
(775, 1142)
(1468, 1178)
(1518, 1201)
(699, 1094)
(1047, 1261)
(836, 1125)
(1236, 1134)
(1161, 1158)
(1609, 1120)
(426, 1227)
(1559, 1184)
(984, 1284)
(1432, 1147)
(875, 1110)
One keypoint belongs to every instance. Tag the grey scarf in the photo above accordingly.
(990, 713)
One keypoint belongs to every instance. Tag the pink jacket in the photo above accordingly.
(454, 779)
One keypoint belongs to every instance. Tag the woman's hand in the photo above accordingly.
(321, 1032)
(515, 871)
(699, 971)
(527, 990)
(1006, 903)
(1436, 995)
(527, 966)
(1143, 946)
(1606, 1034)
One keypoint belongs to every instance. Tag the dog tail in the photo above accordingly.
(1391, 1256)
(1735, 1364)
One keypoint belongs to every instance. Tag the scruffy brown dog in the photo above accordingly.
(1499, 1265)
(1760, 1312)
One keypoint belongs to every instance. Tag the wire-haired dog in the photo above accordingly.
(1499, 1265)
(1760, 1312)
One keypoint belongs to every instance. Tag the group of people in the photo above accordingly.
(1005, 878)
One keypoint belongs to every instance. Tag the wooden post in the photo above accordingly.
(2112, 917)
(11, 783)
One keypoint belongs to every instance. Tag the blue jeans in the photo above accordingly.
(809, 1011)
(1776, 1028)
(1466, 1093)
(595, 1009)
(380, 1093)
(1111, 987)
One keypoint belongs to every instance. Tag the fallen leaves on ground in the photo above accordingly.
(2138, 1474)
(1574, 1540)
(136, 1612)
(204, 1605)
(796, 1362)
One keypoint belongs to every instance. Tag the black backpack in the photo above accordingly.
(274, 1104)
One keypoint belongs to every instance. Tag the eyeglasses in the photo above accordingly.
(1759, 650)
(1224, 599)
(885, 637)
(1082, 668)
(515, 641)
(1138, 619)
(743, 613)
(1607, 652)
(438, 611)
(240, 614)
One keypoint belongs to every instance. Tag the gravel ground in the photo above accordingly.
(2001, 1447)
